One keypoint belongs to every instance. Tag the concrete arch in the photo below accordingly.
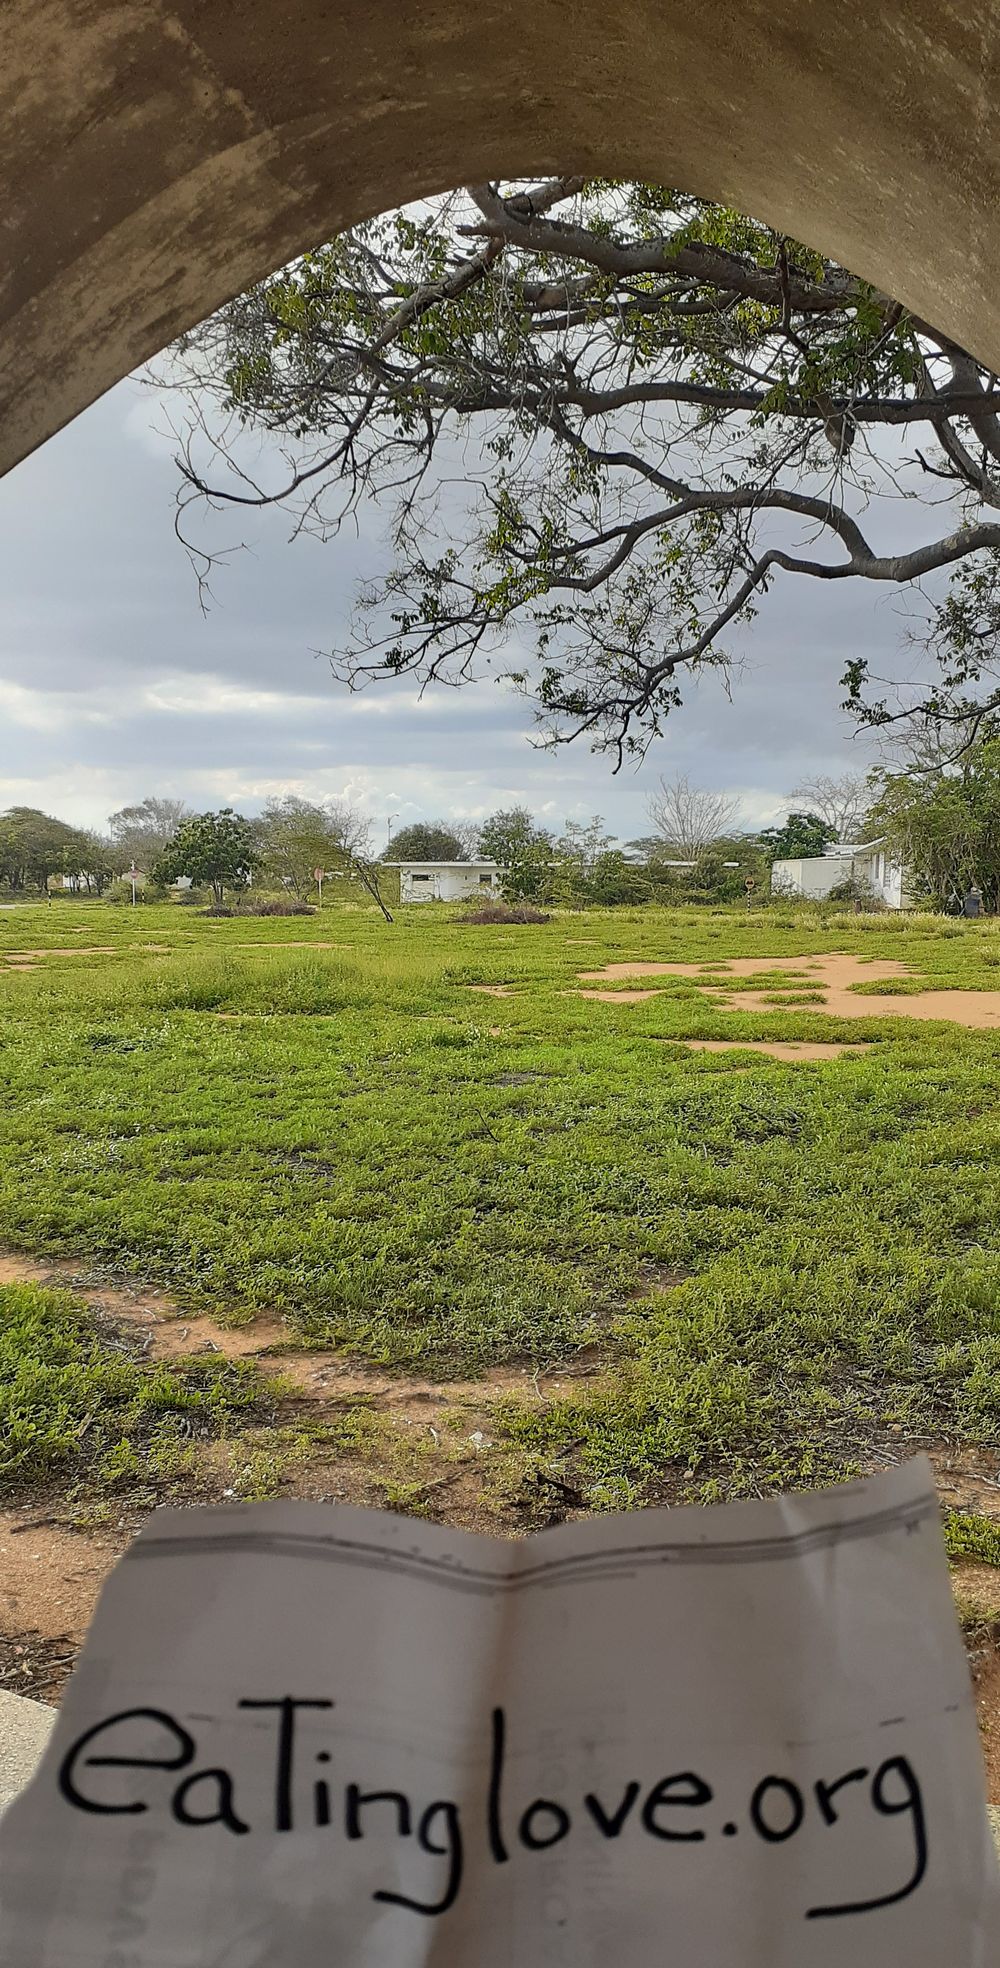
(159, 155)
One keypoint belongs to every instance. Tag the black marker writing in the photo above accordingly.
(912, 1803)
(99, 1777)
(287, 1708)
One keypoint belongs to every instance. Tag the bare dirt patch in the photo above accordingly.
(51, 1574)
(656, 1277)
(987, 1685)
(75, 950)
(977, 1588)
(787, 1049)
(168, 1332)
(36, 1665)
(969, 1479)
(834, 975)
(493, 990)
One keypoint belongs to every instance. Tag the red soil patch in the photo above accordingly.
(77, 950)
(787, 1049)
(50, 1575)
(834, 975)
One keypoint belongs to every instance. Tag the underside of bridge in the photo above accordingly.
(159, 155)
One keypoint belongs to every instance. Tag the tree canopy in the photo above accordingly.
(945, 827)
(426, 840)
(220, 849)
(522, 850)
(296, 836)
(802, 836)
(35, 846)
(672, 409)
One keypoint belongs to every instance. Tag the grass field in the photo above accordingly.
(291, 1205)
(781, 1266)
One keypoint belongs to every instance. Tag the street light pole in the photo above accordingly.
(388, 830)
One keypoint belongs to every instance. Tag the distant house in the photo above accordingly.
(445, 881)
(870, 865)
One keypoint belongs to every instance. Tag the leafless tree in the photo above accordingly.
(140, 833)
(687, 818)
(467, 831)
(842, 803)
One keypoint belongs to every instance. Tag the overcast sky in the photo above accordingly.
(113, 685)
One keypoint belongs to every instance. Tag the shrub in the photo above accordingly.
(120, 893)
(505, 912)
(855, 890)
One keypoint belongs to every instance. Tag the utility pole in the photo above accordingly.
(388, 830)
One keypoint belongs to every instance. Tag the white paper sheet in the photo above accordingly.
(732, 1738)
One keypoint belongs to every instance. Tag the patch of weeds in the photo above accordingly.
(971, 1536)
(257, 1469)
(793, 997)
(409, 1499)
(898, 987)
(980, 1631)
(75, 1401)
(504, 912)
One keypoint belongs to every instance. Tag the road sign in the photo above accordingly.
(318, 874)
(749, 884)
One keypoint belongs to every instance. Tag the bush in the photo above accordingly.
(859, 892)
(505, 912)
(120, 893)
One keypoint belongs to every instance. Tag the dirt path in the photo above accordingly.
(432, 1451)
(76, 950)
(788, 1049)
(168, 1332)
(833, 976)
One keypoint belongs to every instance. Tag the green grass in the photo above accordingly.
(75, 1404)
(427, 1175)
(973, 1537)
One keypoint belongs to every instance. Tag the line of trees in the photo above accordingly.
(693, 849)
(222, 852)
(939, 815)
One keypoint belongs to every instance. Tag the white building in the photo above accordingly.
(446, 881)
(869, 864)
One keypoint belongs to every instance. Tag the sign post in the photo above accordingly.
(133, 876)
(318, 874)
(750, 885)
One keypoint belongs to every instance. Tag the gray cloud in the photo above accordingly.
(113, 684)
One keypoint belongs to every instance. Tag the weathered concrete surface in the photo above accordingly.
(24, 1731)
(158, 155)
